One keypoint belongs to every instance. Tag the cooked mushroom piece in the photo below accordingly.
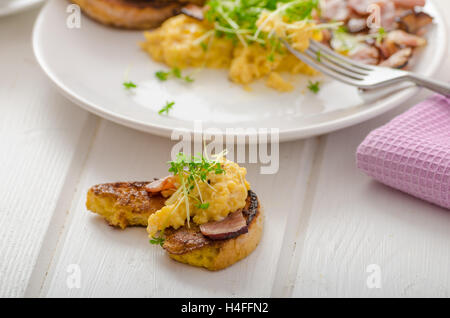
(356, 25)
(399, 59)
(412, 21)
(336, 10)
(387, 48)
(402, 38)
(365, 54)
(409, 3)
(388, 11)
(232, 226)
(193, 11)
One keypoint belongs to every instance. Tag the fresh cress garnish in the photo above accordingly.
(129, 85)
(237, 19)
(174, 72)
(192, 171)
(158, 240)
(166, 108)
(314, 87)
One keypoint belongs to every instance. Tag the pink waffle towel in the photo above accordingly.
(412, 152)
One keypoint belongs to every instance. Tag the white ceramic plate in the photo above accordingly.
(8, 7)
(88, 66)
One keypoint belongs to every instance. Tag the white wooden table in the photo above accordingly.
(326, 221)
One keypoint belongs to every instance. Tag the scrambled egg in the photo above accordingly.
(223, 193)
(183, 42)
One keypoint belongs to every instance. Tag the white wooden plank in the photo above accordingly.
(298, 220)
(123, 263)
(356, 222)
(325, 247)
(62, 206)
(39, 130)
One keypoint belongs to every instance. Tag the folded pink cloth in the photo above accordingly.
(412, 152)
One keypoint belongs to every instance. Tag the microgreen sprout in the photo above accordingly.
(158, 240)
(166, 108)
(129, 85)
(204, 46)
(314, 87)
(380, 35)
(192, 171)
(174, 72)
(162, 76)
(237, 19)
(203, 206)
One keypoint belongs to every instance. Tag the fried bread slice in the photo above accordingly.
(190, 246)
(124, 204)
(132, 14)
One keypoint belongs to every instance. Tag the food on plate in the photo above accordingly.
(133, 14)
(204, 214)
(244, 37)
(402, 27)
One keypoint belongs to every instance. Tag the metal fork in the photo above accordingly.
(367, 77)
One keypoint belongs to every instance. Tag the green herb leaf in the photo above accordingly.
(191, 171)
(203, 206)
(175, 72)
(204, 46)
(157, 240)
(381, 34)
(162, 76)
(129, 85)
(166, 108)
(314, 87)
(236, 19)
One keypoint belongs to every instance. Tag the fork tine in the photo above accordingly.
(335, 66)
(318, 66)
(338, 56)
(318, 53)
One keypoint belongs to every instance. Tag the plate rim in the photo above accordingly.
(387, 104)
(14, 10)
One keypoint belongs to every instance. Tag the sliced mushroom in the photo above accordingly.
(399, 59)
(387, 7)
(360, 6)
(412, 21)
(326, 37)
(387, 49)
(336, 10)
(409, 3)
(159, 185)
(388, 14)
(193, 11)
(356, 25)
(232, 226)
(402, 38)
(366, 54)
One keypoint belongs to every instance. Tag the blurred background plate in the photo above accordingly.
(88, 66)
(8, 7)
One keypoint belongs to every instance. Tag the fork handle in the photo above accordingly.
(437, 86)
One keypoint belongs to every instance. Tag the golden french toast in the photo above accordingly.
(124, 204)
(190, 246)
(132, 14)
(205, 214)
